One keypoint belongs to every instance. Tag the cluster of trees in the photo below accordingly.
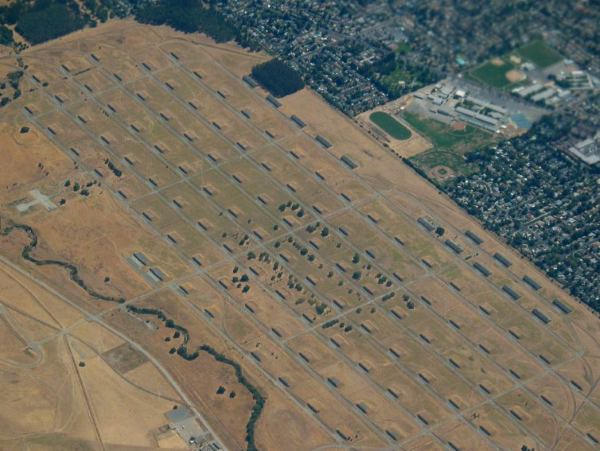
(43, 20)
(73, 271)
(189, 16)
(277, 78)
(320, 308)
(6, 35)
(192, 16)
(420, 171)
(388, 296)
(102, 9)
(331, 323)
(259, 399)
(14, 79)
(392, 68)
(480, 155)
(115, 170)
(182, 351)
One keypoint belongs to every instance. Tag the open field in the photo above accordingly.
(60, 388)
(540, 53)
(440, 165)
(445, 137)
(504, 72)
(390, 125)
(446, 159)
(493, 73)
(214, 255)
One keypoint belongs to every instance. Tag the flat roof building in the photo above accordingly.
(323, 141)
(158, 273)
(512, 293)
(351, 164)
(273, 101)
(426, 223)
(587, 151)
(249, 81)
(298, 121)
(532, 283)
(562, 306)
(544, 95)
(446, 90)
(506, 262)
(520, 121)
(528, 90)
(141, 258)
(542, 317)
(475, 238)
(482, 269)
(455, 247)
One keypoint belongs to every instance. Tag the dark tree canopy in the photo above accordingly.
(277, 78)
(46, 20)
(6, 35)
(189, 16)
(42, 20)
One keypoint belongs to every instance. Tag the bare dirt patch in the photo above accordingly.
(459, 125)
(125, 358)
(514, 76)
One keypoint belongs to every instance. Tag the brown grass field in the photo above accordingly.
(309, 290)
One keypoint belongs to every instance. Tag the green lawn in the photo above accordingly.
(435, 158)
(444, 137)
(394, 79)
(540, 53)
(403, 47)
(449, 145)
(390, 125)
(493, 75)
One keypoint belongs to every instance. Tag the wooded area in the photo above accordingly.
(277, 78)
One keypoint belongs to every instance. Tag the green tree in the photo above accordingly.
(277, 78)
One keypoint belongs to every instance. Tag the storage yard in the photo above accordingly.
(364, 306)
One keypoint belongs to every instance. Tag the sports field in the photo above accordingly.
(540, 53)
(390, 125)
(445, 137)
(446, 159)
(493, 73)
(504, 72)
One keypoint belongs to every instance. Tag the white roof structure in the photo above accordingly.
(588, 151)
(524, 92)
(543, 95)
(447, 90)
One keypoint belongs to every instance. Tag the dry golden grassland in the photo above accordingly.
(350, 324)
